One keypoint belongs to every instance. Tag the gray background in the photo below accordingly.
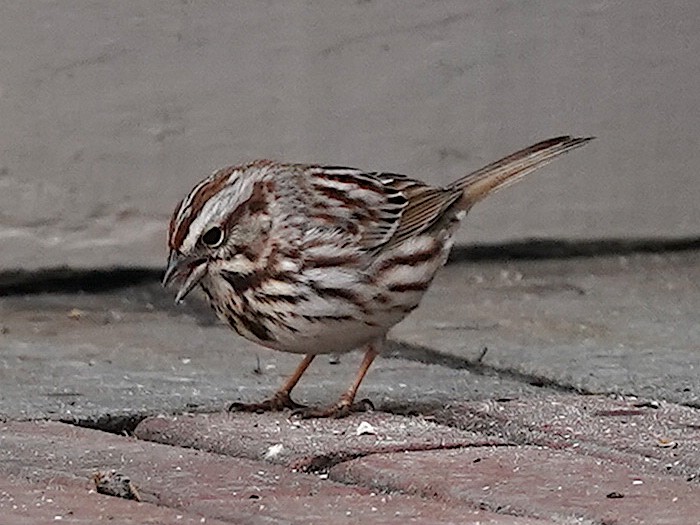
(111, 111)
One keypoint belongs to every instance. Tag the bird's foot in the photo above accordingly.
(280, 401)
(341, 409)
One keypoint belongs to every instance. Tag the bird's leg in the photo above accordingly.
(346, 404)
(281, 399)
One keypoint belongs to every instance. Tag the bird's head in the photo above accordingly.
(216, 225)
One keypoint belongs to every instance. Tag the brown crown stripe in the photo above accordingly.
(257, 203)
(173, 220)
(197, 202)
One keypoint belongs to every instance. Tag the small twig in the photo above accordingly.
(258, 368)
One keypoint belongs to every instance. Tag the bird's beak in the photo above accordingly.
(187, 269)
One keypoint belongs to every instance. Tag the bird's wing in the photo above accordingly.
(379, 209)
(425, 205)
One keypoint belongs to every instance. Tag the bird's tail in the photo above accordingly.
(502, 173)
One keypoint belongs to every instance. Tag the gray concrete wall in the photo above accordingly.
(111, 111)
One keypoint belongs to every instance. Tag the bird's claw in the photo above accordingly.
(280, 401)
(341, 409)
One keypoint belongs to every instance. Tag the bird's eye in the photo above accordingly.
(213, 237)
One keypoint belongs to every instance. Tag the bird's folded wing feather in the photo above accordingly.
(378, 210)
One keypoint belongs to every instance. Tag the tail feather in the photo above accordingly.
(504, 172)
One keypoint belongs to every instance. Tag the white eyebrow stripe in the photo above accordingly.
(227, 199)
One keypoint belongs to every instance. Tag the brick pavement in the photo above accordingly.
(561, 459)
(466, 435)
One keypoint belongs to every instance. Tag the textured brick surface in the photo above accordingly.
(520, 455)
(552, 484)
(596, 458)
(54, 461)
(305, 444)
(405, 469)
(133, 352)
(661, 436)
(75, 501)
(621, 324)
(630, 328)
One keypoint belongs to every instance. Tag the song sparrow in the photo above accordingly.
(324, 259)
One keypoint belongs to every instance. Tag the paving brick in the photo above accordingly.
(56, 461)
(390, 509)
(658, 435)
(71, 501)
(560, 485)
(305, 444)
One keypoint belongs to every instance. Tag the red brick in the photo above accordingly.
(306, 444)
(73, 501)
(666, 438)
(532, 481)
(55, 460)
